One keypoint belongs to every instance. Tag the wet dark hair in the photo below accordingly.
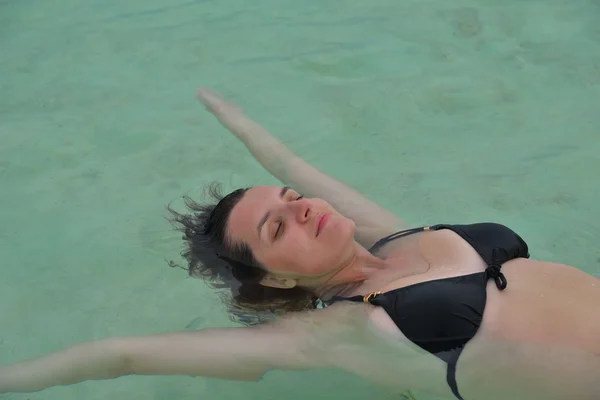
(231, 266)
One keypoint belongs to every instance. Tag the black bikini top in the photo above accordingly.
(442, 315)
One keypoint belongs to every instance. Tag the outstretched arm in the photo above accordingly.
(372, 221)
(227, 353)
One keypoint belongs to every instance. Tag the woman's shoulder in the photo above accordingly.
(328, 317)
(343, 321)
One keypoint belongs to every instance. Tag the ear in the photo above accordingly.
(278, 283)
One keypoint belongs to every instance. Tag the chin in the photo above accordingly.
(346, 230)
(343, 241)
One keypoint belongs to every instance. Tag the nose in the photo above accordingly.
(301, 210)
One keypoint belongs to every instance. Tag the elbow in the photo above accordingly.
(119, 361)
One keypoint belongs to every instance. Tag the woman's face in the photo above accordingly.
(294, 238)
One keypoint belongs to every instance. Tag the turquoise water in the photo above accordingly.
(443, 111)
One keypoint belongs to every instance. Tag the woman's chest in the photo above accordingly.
(424, 257)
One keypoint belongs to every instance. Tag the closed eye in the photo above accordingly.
(279, 229)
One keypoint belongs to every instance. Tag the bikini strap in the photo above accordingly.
(356, 299)
(397, 235)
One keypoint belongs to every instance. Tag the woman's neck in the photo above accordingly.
(351, 276)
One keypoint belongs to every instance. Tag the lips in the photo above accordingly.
(322, 222)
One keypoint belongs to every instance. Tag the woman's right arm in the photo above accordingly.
(227, 353)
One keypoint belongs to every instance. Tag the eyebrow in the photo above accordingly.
(265, 217)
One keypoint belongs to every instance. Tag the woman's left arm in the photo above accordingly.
(372, 220)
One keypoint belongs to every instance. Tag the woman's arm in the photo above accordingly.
(372, 221)
(227, 353)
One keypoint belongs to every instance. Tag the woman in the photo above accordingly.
(459, 311)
